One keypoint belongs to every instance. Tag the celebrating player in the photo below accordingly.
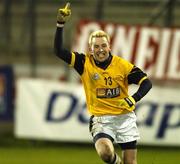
(105, 78)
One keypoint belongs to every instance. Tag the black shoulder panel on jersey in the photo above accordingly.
(79, 62)
(135, 75)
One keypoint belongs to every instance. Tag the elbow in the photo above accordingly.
(150, 84)
(55, 51)
(146, 84)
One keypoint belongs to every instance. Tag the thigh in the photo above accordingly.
(129, 156)
(129, 152)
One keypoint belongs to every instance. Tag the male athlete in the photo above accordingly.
(105, 79)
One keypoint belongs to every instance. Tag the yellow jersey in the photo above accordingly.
(104, 88)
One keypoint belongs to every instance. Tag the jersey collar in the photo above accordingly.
(105, 63)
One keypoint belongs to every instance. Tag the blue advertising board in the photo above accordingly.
(6, 93)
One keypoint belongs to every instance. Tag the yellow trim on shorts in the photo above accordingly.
(72, 59)
(142, 80)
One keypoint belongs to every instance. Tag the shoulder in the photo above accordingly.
(124, 65)
(77, 61)
(121, 60)
(79, 54)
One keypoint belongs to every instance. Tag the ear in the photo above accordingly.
(90, 49)
(109, 47)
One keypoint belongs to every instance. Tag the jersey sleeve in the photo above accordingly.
(77, 61)
(136, 76)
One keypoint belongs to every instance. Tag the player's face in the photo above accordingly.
(100, 48)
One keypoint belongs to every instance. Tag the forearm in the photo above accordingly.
(143, 89)
(58, 46)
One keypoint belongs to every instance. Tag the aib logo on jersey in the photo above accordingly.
(107, 92)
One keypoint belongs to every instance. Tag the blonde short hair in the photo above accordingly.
(98, 34)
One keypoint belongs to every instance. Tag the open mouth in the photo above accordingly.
(101, 54)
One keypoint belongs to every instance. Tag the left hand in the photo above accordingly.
(128, 103)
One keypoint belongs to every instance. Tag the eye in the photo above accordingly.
(104, 45)
(96, 46)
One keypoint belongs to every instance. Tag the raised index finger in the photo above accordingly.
(67, 6)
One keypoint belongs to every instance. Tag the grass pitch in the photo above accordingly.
(70, 154)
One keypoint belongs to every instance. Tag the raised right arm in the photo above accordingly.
(74, 59)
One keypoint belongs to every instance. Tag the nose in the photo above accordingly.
(101, 50)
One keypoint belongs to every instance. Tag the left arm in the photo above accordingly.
(137, 76)
(143, 89)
